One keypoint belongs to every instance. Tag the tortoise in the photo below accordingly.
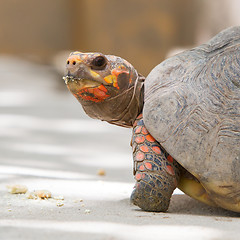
(185, 117)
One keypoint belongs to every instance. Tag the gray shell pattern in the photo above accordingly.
(192, 107)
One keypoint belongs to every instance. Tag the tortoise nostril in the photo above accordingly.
(74, 62)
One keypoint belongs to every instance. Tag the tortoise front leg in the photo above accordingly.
(156, 173)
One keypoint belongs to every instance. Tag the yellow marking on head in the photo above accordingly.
(94, 74)
(115, 84)
(110, 79)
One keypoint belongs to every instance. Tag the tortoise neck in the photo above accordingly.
(134, 107)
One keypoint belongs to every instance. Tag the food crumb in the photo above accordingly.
(101, 172)
(78, 200)
(43, 194)
(59, 198)
(59, 203)
(87, 211)
(17, 189)
(31, 195)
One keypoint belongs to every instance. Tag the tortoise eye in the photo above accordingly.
(99, 63)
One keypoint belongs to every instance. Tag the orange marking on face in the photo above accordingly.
(90, 90)
(156, 149)
(130, 78)
(73, 58)
(99, 94)
(115, 84)
(144, 148)
(112, 79)
(150, 138)
(140, 156)
(170, 158)
(138, 176)
(138, 129)
(140, 116)
(170, 170)
(139, 139)
(118, 71)
(142, 168)
(144, 131)
(148, 165)
(101, 87)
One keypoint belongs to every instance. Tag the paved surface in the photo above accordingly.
(47, 142)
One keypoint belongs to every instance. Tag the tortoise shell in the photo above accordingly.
(192, 107)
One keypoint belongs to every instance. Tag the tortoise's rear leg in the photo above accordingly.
(193, 188)
(226, 196)
(156, 173)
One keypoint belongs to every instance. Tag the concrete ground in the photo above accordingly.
(47, 142)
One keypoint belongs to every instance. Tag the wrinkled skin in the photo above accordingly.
(108, 87)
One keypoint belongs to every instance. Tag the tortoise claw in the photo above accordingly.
(148, 201)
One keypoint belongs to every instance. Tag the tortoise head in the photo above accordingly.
(108, 87)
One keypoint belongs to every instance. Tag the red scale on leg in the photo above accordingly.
(138, 130)
(142, 168)
(156, 149)
(138, 176)
(170, 170)
(140, 116)
(152, 192)
(140, 156)
(139, 139)
(170, 158)
(144, 148)
(150, 138)
(148, 165)
(144, 131)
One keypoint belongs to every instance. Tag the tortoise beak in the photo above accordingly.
(78, 71)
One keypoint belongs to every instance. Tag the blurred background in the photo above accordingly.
(143, 32)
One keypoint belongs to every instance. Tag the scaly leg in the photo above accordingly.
(156, 173)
